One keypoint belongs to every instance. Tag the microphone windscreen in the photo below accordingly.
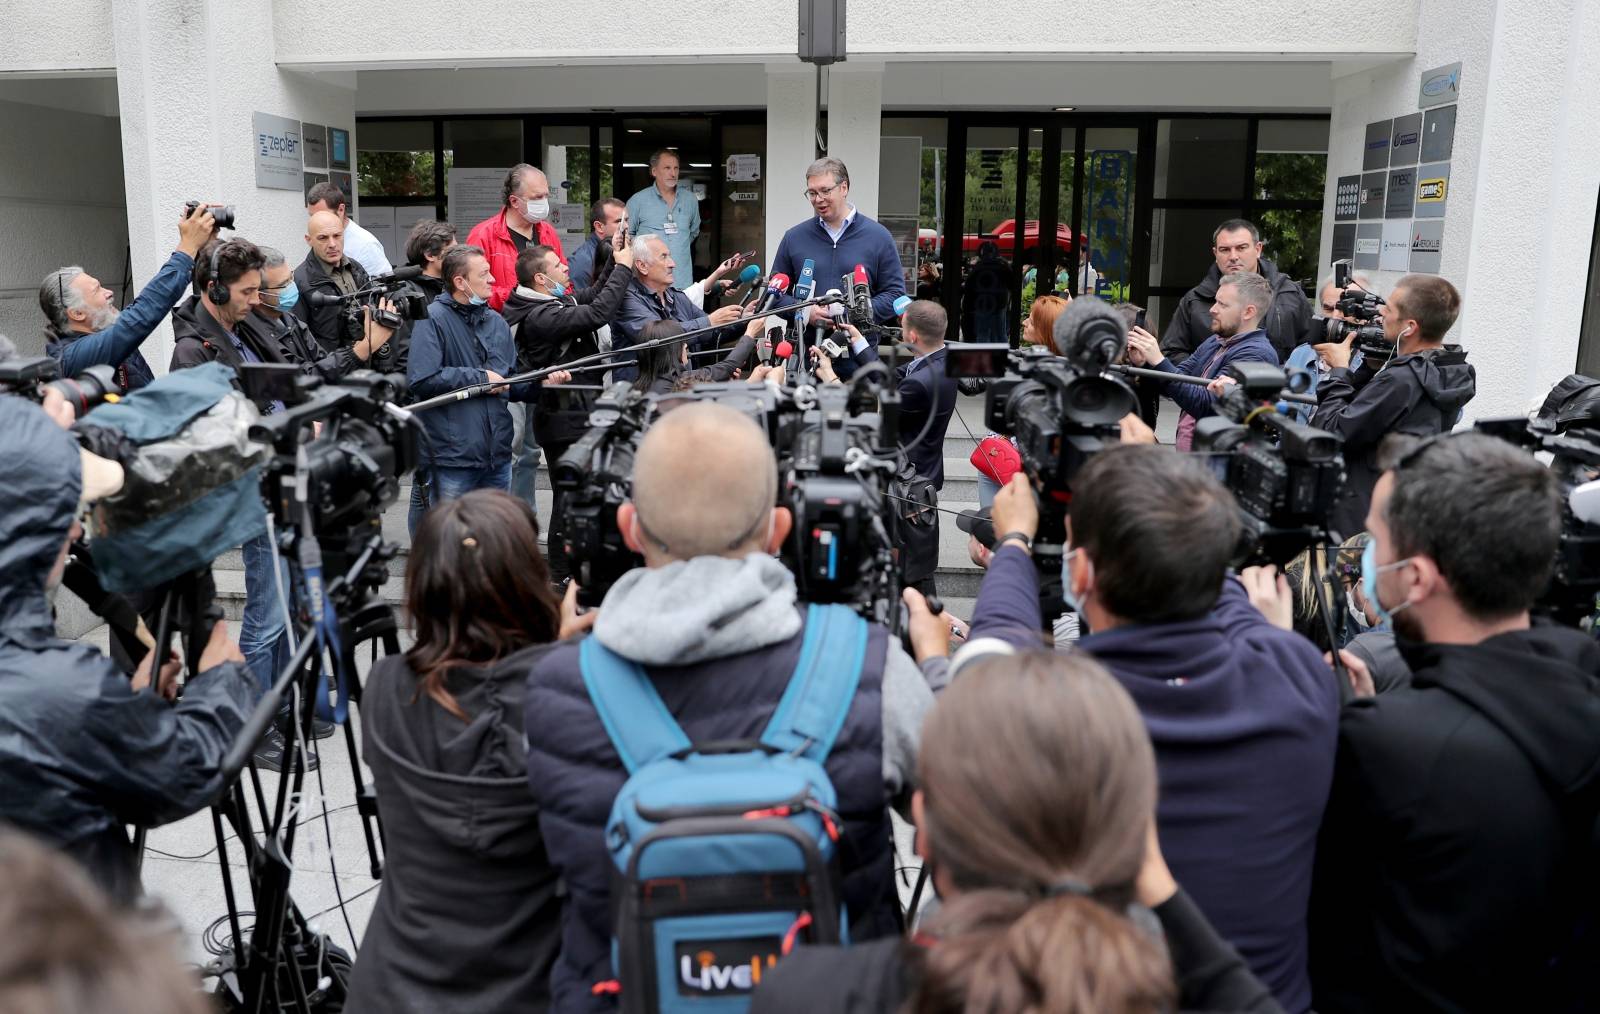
(900, 304)
(401, 274)
(860, 275)
(784, 350)
(750, 273)
(1090, 334)
(779, 281)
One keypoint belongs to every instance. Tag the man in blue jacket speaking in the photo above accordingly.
(838, 239)
(460, 343)
(83, 328)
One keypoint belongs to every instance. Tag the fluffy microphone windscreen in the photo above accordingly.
(1090, 334)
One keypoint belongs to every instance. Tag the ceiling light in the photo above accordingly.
(636, 165)
(1065, 109)
(699, 165)
(635, 130)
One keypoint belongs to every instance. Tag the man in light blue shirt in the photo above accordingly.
(669, 210)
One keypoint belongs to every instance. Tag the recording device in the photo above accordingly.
(900, 304)
(223, 215)
(31, 378)
(859, 286)
(1363, 319)
(1139, 319)
(833, 474)
(1285, 475)
(776, 287)
(804, 288)
(409, 302)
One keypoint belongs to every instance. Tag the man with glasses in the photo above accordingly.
(1236, 245)
(667, 209)
(271, 321)
(839, 238)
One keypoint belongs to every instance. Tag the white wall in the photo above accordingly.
(55, 35)
(61, 202)
(1524, 175)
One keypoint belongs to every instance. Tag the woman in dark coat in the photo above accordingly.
(666, 369)
(468, 918)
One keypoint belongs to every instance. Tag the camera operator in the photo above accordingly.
(1242, 714)
(82, 750)
(1243, 301)
(1420, 391)
(460, 343)
(326, 269)
(83, 328)
(1236, 245)
(272, 322)
(714, 619)
(364, 248)
(1460, 834)
(426, 246)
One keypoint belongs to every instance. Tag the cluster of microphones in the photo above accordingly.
(852, 304)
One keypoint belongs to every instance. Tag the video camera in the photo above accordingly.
(408, 301)
(31, 378)
(1285, 475)
(833, 474)
(1362, 318)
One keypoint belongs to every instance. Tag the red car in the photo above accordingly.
(1004, 236)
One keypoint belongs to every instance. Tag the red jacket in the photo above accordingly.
(493, 237)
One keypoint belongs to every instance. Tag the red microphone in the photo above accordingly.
(777, 286)
(784, 349)
(860, 297)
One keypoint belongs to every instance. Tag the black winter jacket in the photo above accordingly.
(1287, 324)
(468, 918)
(1420, 394)
(201, 339)
(298, 346)
(81, 754)
(1458, 852)
(329, 324)
(878, 976)
(719, 372)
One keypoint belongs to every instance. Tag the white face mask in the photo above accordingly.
(1358, 616)
(1067, 594)
(537, 211)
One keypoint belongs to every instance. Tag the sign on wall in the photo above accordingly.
(316, 141)
(1372, 185)
(1395, 253)
(1347, 199)
(1375, 153)
(1369, 245)
(1404, 140)
(1344, 243)
(475, 194)
(1433, 190)
(1439, 134)
(338, 149)
(1402, 184)
(278, 155)
(1427, 246)
(1439, 86)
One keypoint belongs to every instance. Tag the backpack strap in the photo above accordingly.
(633, 713)
(813, 708)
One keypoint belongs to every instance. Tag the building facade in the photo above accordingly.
(1117, 137)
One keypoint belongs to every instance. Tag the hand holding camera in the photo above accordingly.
(375, 335)
(198, 223)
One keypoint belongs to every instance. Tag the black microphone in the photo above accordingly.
(775, 288)
(405, 273)
(860, 297)
(1090, 335)
(316, 298)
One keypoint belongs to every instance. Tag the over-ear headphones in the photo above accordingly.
(215, 290)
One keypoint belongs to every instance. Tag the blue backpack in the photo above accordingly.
(724, 854)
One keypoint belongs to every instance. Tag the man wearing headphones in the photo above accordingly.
(1419, 391)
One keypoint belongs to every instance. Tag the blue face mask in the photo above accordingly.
(289, 296)
(475, 299)
(557, 289)
(1369, 583)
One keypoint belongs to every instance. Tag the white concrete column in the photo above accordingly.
(855, 127)
(791, 146)
(189, 76)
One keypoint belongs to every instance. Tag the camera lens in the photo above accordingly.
(223, 216)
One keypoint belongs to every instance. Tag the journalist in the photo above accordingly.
(426, 245)
(363, 247)
(1420, 391)
(442, 731)
(607, 218)
(272, 322)
(668, 209)
(329, 271)
(84, 328)
(666, 369)
(651, 296)
(83, 751)
(839, 238)
(522, 221)
(460, 343)
(1044, 855)
(1236, 245)
(1460, 833)
(715, 621)
(1242, 714)
(553, 322)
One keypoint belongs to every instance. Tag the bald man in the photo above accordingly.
(327, 269)
(715, 621)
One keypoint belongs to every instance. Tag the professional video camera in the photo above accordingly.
(1285, 475)
(833, 474)
(408, 301)
(1362, 318)
(1567, 426)
(31, 378)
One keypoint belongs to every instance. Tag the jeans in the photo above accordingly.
(525, 455)
(263, 637)
(419, 500)
(452, 483)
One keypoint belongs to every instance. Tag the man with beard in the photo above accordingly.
(1455, 866)
(83, 326)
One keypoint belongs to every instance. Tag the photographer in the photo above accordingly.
(327, 270)
(82, 750)
(1455, 868)
(84, 328)
(714, 620)
(1242, 714)
(1420, 391)
(272, 321)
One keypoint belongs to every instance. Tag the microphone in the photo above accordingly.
(775, 288)
(315, 298)
(1090, 335)
(804, 289)
(784, 350)
(750, 275)
(860, 297)
(405, 273)
(836, 317)
(900, 304)
(764, 344)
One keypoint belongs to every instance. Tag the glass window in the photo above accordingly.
(394, 158)
(1293, 239)
(914, 159)
(564, 157)
(607, 188)
(690, 138)
(1110, 181)
(1291, 160)
(988, 279)
(1200, 158)
(1180, 246)
(482, 144)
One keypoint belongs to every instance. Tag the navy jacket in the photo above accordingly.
(1243, 717)
(1196, 400)
(82, 754)
(118, 345)
(1288, 322)
(580, 266)
(575, 775)
(925, 391)
(641, 306)
(451, 348)
(864, 242)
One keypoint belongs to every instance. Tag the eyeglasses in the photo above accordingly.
(812, 195)
(1330, 307)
